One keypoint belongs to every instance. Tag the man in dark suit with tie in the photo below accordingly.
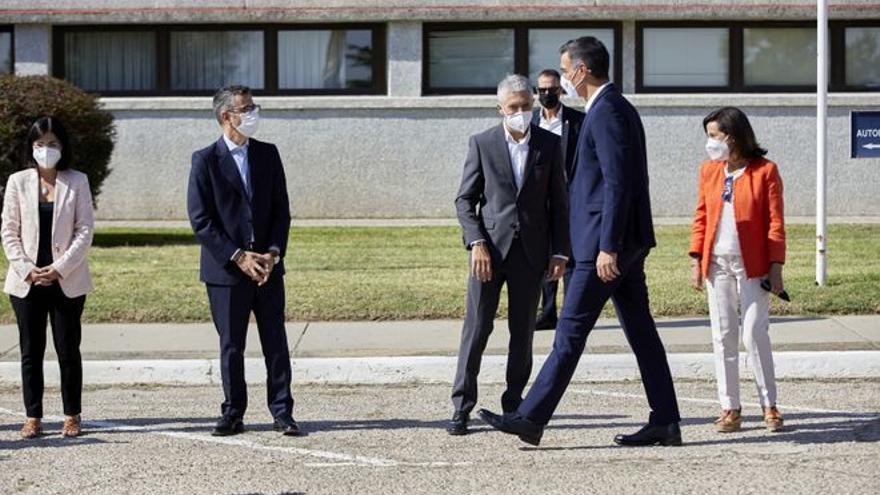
(611, 233)
(239, 210)
(565, 122)
(513, 211)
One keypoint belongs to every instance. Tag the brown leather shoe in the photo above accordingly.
(729, 421)
(72, 427)
(773, 419)
(32, 428)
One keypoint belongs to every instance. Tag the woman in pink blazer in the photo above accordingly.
(47, 231)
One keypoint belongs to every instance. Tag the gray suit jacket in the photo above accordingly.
(490, 207)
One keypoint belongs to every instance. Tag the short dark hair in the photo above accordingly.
(549, 73)
(733, 122)
(40, 128)
(589, 51)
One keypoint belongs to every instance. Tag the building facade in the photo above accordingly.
(371, 102)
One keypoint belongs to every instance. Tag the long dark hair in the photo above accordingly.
(734, 123)
(37, 130)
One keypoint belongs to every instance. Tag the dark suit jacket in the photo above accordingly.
(610, 203)
(571, 127)
(223, 217)
(489, 206)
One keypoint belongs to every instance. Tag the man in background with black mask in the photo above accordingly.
(565, 122)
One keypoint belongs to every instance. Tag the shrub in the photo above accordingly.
(23, 99)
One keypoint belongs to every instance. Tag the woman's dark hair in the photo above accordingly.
(37, 130)
(734, 123)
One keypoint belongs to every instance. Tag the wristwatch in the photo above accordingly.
(239, 253)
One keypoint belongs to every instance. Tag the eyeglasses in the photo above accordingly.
(728, 189)
(247, 109)
(554, 89)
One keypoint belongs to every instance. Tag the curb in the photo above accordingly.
(441, 369)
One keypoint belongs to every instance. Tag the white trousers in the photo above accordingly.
(733, 297)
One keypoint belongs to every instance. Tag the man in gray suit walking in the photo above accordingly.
(513, 209)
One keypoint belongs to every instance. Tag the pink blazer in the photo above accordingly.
(72, 230)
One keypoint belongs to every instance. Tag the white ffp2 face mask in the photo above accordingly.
(250, 123)
(519, 121)
(568, 87)
(717, 150)
(46, 157)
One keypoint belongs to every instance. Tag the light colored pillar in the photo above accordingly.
(405, 59)
(629, 57)
(33, 49)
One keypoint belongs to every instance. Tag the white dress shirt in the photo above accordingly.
(553, 125)
(519, 153)
(239, 154)
(595, 95)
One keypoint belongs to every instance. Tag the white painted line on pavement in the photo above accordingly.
(866, 415)
(345, 459)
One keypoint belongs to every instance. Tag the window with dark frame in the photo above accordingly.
(698, 57)
(338, 59)
(470, 58)
(7, 65)
(765, 57)
(861, 52)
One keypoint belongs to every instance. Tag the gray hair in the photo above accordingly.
(513, 83)
(224, 99)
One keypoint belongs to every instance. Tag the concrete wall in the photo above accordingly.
(402, 157)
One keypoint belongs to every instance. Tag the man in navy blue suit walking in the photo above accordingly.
(239, 210)
(611, 235)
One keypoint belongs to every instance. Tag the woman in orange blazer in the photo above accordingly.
(737, 240)
(47, 231)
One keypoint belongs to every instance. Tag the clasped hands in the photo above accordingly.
(45, 276)
(257, 266)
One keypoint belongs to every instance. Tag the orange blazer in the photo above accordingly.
(758, 209)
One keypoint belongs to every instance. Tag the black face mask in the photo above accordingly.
(549, 100)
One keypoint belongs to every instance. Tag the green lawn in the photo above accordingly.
(371, 273)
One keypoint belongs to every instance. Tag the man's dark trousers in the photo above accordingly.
(231, 307)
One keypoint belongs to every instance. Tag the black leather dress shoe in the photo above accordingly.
(667, 435)
(545, 324)
(459, 424)
(228, 426)
(286, 425)
(514, 424)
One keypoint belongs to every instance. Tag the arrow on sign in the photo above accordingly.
(871, 146)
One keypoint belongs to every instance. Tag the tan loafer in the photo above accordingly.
(32, 428)
(729, 421)
(72, 427)
(773, 419)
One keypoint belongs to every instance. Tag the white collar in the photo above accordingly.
(558, 115)
(231, 146)
(509, 138)
(595, 95)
